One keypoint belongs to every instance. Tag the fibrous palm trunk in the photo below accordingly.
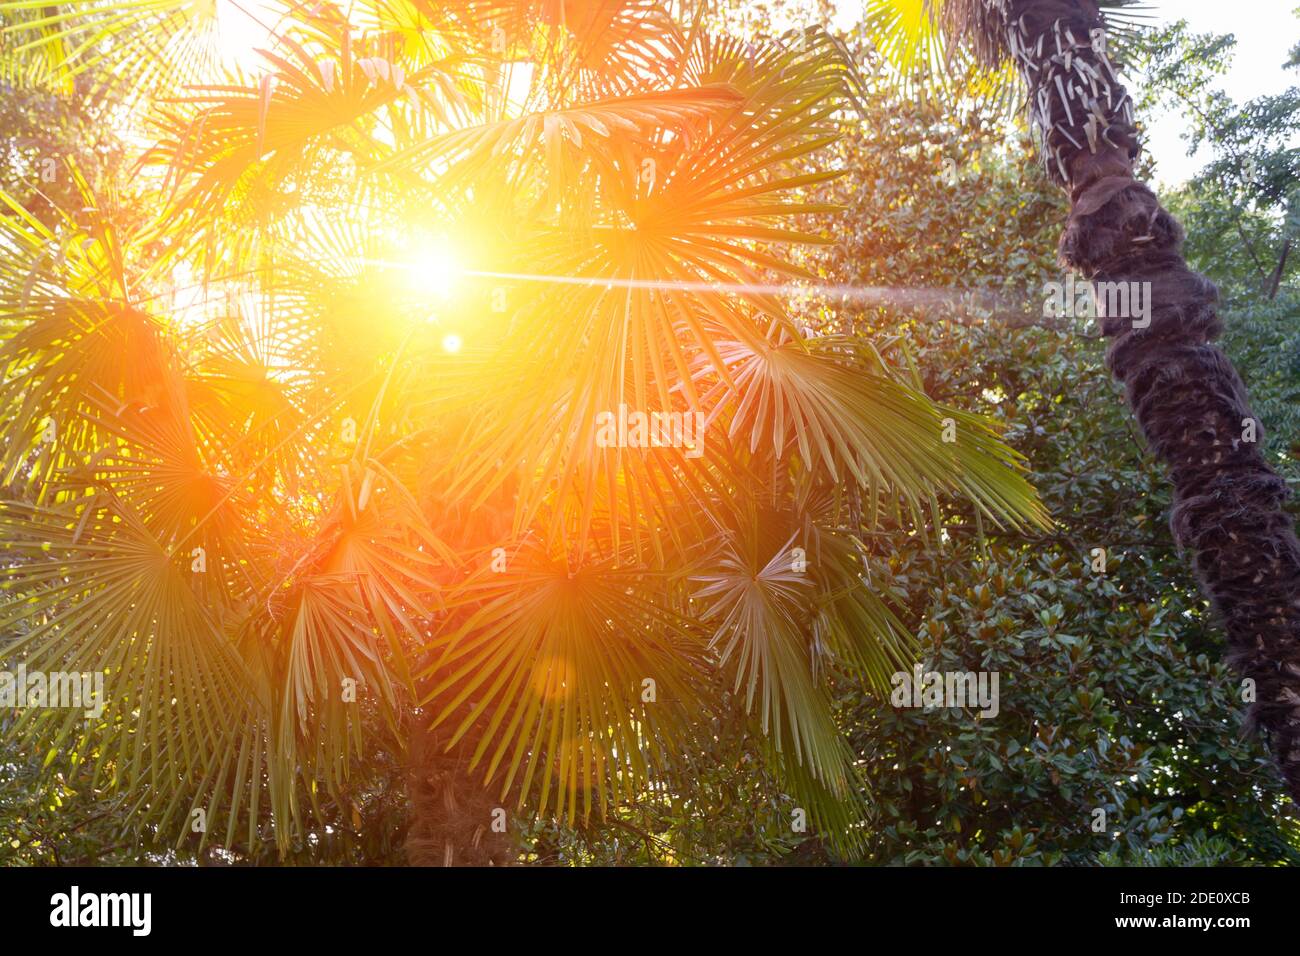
(452, 817)
(1185, 394)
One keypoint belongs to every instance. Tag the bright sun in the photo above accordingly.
(433, 268)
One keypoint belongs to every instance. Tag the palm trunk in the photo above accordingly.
(451, 814)
(1185, 394)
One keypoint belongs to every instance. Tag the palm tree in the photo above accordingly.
(1186, 395)
(308, 460)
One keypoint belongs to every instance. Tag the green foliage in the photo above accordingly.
(1113, 694)
(50, 817)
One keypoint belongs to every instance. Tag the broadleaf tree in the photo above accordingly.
(1187, 397)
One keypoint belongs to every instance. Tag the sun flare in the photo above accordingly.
(433, 268)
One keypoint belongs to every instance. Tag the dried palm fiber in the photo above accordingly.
(450, 813)
(1184, 392)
